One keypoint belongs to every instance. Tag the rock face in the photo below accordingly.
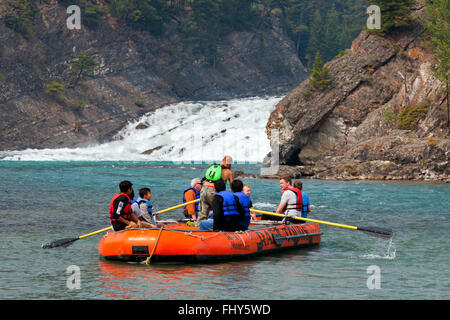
(355, 128)
(136, 73)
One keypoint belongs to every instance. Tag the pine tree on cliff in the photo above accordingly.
(83, 67)
(437, 26)
(394, 13)
(320, 79)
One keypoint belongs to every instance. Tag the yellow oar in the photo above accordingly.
(68, 241)
(176, 207)
(372, 231)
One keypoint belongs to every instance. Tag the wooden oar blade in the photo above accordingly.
(59, 243)
(378, 232)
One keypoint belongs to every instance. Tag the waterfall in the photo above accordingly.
(200, 131)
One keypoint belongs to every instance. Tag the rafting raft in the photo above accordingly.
(178, 242)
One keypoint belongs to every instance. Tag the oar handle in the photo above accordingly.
(177, 206)
(307, 219)
(94, 233)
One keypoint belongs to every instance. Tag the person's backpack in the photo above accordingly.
(214, 173)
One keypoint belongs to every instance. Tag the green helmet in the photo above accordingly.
(214, 173)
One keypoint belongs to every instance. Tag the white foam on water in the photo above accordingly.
(389, 255)
(197, 132)
(264, 205)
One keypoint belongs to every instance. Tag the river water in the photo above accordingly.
(45, 201)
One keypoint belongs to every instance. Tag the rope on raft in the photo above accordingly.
(147, 261)
(201, 237)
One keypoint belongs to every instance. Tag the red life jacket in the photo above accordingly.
(299, 203)
(125, 211)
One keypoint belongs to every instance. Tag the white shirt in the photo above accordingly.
(289, 199)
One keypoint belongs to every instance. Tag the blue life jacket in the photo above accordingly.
(244, 200)
(197, 196)
(305, 205)
(229, 203)
(149, 205)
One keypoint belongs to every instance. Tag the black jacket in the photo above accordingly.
(226, 223)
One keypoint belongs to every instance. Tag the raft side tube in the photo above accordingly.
(192, 245)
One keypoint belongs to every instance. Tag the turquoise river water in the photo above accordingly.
(45, 201)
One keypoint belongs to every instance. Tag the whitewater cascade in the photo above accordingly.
(195, 132)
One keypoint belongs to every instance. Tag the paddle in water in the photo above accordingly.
(68, 241)
(379, 232)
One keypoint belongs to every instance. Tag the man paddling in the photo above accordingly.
(214, 173)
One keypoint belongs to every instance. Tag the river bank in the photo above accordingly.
(380, 172)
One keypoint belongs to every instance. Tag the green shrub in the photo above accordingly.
(77, 104)
(340, 54)
(389, 116)
(54, 88)
(410, 116)
(350, 169)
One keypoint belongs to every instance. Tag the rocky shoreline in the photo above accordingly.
(375, 171)
(383, 117)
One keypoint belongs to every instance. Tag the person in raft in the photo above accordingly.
(214, 173)
(306, 206)
(290, 203)
(145, 195)
(246, 189)
(120, 212)
(227, 211)
(190, 194)
(244, 201)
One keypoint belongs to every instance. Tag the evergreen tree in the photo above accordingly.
(438, 12)
(149, 15)
(394, 13)
(93, 14)
(327, 26)
(320, 79)
(21, 18)
(316, 37)
(83, 67)
(206, 21)
(331, 35)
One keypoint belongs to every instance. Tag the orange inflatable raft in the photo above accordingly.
(180, 243)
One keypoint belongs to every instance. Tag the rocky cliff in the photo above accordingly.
(136, 73)
(383, 117)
